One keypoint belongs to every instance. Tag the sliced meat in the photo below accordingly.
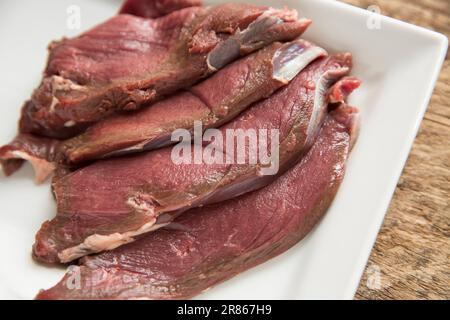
(343, 88)
(209, 245)
(156, 8)
(128, 61)
(214, 102)
(40, 152)
(107, 204)
(116, 49)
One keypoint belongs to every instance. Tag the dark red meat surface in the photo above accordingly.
(99, 205)
(213, 102)
(156, 8)
(209, 245)
(128, 61)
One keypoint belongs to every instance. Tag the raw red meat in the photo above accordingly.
(214, 102)
(107, 204)
(209, 245)
(40, 152)
(156, 8)
(128, 61)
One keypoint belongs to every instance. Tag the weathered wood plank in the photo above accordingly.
(411, 257)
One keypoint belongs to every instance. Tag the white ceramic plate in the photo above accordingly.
(398, 63)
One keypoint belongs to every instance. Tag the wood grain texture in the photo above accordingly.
(411, 257)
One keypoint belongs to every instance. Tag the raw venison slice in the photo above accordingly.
(128, 61)
(209, 245)
(214, 102)
(342, 89)
(40, 152)
(122, 46)
(108, 203)
(156, 8)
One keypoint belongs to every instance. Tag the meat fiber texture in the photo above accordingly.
(156, 8)
(209, 245)
(213, 102)
(128, 61)
(109, 203)
(40, 152)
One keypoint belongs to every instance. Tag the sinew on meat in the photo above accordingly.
(109, 203)
(214, 102)
(40, 152)
(128, 61)
(209, 245)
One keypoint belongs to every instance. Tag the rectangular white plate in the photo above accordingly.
(398, 63)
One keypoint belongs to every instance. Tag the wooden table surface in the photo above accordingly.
(411, 257)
